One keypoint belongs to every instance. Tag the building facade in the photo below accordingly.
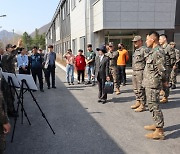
(102, 21)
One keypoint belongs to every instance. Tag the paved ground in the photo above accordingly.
(84, 126)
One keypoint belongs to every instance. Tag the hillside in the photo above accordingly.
(41, 30)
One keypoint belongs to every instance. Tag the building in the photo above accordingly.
(79, 22)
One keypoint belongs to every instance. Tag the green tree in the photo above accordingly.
(27, 40)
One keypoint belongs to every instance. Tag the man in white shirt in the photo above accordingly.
(22, 60)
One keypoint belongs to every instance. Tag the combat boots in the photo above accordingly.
(164, 100)
(136, 105)
(150, 127)
(117, 91)
(158, 134)
(141, 108)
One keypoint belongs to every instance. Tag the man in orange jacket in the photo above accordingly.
(121, 63)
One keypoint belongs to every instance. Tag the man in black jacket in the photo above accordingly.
(101, 72)
(36, 67)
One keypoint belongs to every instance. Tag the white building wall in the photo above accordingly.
(98, 15)
(78, 23)
(139, 14)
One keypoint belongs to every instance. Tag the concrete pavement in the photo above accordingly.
(84, 126)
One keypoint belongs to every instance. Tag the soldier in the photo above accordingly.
(113, 56)
(8, 65)
(138, 64)
(4, 123)
(154, 75)
(167, 51)
(175, 58)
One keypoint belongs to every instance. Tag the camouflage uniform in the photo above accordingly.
(113, 67)
(8, 65)
(167, 52)
(154, 75)
(3, 120)
(175, 58)
(138, 64)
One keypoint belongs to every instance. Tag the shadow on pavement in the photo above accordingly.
(76, 130)
(175, 131)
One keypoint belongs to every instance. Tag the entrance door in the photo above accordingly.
(126, 40)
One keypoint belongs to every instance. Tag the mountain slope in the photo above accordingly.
(41, 30)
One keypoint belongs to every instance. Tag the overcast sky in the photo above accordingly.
(26, 15)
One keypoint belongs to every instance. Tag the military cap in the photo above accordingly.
(110, 44)
(10, 46)
(172, 43)
(137, 38)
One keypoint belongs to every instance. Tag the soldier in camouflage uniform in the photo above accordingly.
(138, 64)
(4, 123)
(175, 58)
(113, 55)
(154, 75)
(8, 65)
(167, 51)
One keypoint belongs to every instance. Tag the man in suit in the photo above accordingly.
(101, 72)
(49, 65)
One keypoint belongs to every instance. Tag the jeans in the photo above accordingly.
(90, 71)
(70, 73)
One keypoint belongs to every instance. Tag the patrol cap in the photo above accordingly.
(137, 38)
(10, 46)
(102, 48)
(172, 43)
(110, 44)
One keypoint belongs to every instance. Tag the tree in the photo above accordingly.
(27, 41)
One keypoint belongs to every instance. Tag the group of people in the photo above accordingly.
(86, 63)
(154, 73)
(34, 63)
(154, 68)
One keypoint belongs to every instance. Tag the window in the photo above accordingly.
(73, 4)
(63, 13)
(67, 7)
(74, 46)
(82, 43)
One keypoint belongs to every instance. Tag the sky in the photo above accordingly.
(26, 15)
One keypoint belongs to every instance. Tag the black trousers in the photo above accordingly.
(101, 84)
(80, 72)
(121, 71)
(50, 71)
(37, 72)
(21, 71)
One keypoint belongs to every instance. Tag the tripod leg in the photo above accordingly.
(43, 115)
(15, 120)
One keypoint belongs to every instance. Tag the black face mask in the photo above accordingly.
(119, 48)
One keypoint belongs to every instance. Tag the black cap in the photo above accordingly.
(102, 48)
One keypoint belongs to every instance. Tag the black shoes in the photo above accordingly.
(103, 101)
(173, 86)
(41, 90)
(93, 84)
(54, 87)
(88, 82)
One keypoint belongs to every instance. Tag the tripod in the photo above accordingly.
(24, 83)
(11, 85)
